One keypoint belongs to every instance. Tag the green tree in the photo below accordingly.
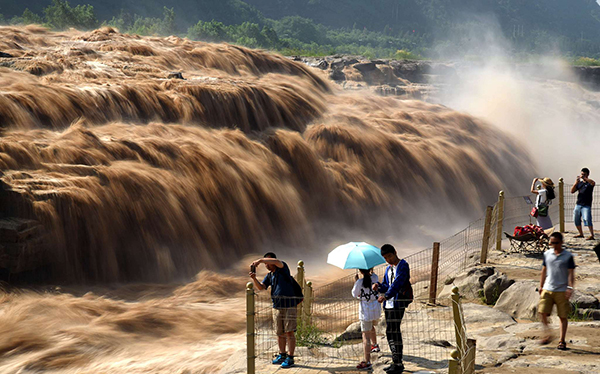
(60, 15)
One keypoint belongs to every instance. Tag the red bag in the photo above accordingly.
(534, 212)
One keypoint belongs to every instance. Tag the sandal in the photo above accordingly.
(364, 366)
(591, 238)
(578, 236)
(562, 346)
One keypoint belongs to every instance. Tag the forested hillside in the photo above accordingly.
(374, 27)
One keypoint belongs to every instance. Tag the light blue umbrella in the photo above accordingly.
(355, 255)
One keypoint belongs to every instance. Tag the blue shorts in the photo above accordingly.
(582, 212)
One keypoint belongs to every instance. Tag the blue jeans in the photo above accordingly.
(582, 211)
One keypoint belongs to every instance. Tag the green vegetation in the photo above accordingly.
(576, 315)
(60, 15)
(399, 29)
(308, 335)
(586, 61)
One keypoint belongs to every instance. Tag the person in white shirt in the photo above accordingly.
(545, 194)
(369, 311)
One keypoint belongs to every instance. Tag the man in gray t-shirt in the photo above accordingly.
(556, 286)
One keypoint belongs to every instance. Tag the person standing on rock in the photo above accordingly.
(556, 287)
(584, 187)
(369, 311)
(397, 295)
(544, 196)
(284, 302)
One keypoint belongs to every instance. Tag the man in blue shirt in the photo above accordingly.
(397, 294)
(584, 187)
(556, 286)
(284, 303)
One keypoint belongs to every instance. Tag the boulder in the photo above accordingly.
(175, 75)
(481, 314)
(584, 300)
(520, 300)
(469, 283)
(365, 67)
(352, 332)
(321, 64)
(494, 286)
(337, 75)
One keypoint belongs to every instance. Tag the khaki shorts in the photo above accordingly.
(366, 326)
(285, 320)
(549, 298)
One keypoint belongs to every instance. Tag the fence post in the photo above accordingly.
(307, 304)
(469, 367)
(453, 363)
(250, 337)
(458, 323)
(499, 221)
(435, 258)
(561, 203)
(485, 243)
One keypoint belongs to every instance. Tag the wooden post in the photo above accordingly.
(469, 361)
(561, 204)
(499, 220)
(454, 363)
(250, 337)
(300, 280)
(459, 330)
(307, 304)
(485, 243)
(433, 277)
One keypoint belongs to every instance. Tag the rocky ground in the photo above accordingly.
(500, 307)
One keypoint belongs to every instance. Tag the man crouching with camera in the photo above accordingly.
(284, 302)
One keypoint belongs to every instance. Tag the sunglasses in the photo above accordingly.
(554, 242)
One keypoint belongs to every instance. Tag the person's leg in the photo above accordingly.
(544, 309)
(586, 214)
(394, 335)
(291, 343)
(577, 220)
(280, 320)
(373, 336)
(564, 323)
(367, 346)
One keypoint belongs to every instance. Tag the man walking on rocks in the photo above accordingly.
(584, 187)
(556, 287)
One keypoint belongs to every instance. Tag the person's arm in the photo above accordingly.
(571, 280)
(533, 190)
(383, 286)
(258, 284)
(267, 261)
(574, 187)
(542, 279)
(402, 277)
(591, 182)
(356, 289)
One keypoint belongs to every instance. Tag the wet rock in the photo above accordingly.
(520, 300)
(494, 286)
(337, 75)
(5, 55)
(365, 67)
(175, 75)
(322, 64)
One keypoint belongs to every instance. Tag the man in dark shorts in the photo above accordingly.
(556, 287)
(584, 187)
(284, 303)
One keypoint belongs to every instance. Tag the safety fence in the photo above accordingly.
(433, 329)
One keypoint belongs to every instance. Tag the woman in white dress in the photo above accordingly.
(545, 195)
(369, 311)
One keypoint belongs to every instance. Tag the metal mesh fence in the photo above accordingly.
(332, 335)
(571, 201)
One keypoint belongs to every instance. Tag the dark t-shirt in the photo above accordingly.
(585, 195)
(282, 291)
